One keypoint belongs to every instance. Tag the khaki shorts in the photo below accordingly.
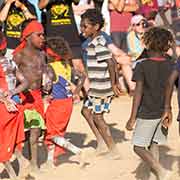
(148, 131)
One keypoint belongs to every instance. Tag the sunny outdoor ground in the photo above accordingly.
(129, 167)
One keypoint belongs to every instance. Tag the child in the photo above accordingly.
(102, 77)
(60, 106)
(167, 115)
(12, 119)
(151, 75)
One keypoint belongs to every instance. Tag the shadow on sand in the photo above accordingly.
(166, 159)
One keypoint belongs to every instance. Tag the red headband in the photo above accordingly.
(33, 26)
(3, 44)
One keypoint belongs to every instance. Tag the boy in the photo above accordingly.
(151, 75)
(12, 120)
(167, 115)
(59, 111)
(30, 59)
(102, 77)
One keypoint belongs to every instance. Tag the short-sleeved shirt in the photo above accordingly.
(60, 21)
(13, 23)
(154, 75)
(86, 42)
(61, 88)
(97, 68)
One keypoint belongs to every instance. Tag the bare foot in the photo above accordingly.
(48, 165)
(113, 154)
(23, 168)
(101, 148)
(33, 171)
(167, 175)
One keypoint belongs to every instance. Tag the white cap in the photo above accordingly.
(136, 19)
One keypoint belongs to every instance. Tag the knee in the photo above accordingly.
(34, 138)
(98, 119)
(83, 112)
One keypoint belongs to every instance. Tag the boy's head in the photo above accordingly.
(91, 22)
(3, 44)
(33, 32)
(60, 47)
(158, 39)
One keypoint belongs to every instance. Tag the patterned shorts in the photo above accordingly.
(98, 105)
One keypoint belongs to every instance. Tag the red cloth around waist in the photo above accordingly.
(11, 132)
(32, 99)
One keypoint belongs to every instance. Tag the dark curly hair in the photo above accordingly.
(94, 16)
(60, 46)
(158, 39)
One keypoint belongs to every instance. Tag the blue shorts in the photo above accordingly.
(98, 105)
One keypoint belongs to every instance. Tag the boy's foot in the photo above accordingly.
(101, 148)
(48, 165)
(24, 168)
(113, 154)
(167, 175)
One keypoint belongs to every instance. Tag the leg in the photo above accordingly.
(105, 133)
(154, 149)
(61, 141)
(34, 135)
(87, 114)
(23, 163)
(10, 170)
(152, 162)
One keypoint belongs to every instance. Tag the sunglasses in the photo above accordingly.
(143, 24)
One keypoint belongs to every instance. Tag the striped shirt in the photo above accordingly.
(97, 67)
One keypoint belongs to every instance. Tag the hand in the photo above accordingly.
(116, 90)
(10, 105)
(76, 98)
(18, 4)
(8, 94)
(130, 124)
(166, 118)
(10, 1)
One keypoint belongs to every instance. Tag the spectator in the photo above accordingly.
(13, 13)
(120, 17)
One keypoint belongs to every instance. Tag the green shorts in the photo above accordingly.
(33, 119)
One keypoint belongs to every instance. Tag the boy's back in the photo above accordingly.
(154, 74)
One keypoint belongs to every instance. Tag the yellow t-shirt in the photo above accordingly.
(61, 70)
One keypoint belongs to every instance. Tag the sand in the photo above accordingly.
(129, 167)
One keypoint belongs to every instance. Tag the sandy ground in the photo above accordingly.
(129, 167)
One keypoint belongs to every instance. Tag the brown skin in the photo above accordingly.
(31, 61)
(96, 121)
(142, 152)
(4, 11)
(5, 97)
(167, 115)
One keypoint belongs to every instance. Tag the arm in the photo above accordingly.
(167, 115)
(80, 9)
(23, 84)
(117, 5)
(81, 78)
(136, 102)
(4, 11)
(47, 79)
(131, 7)
(25, 10)
(114, 76)
(43, 3)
